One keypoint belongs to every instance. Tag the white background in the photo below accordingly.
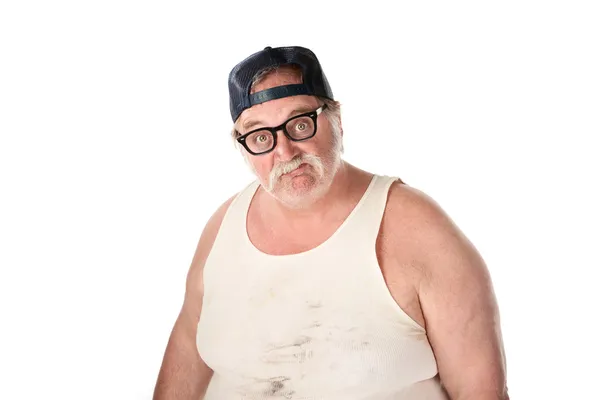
(115, 151)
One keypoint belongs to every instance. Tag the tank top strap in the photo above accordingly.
(233, 226)
(367, 219)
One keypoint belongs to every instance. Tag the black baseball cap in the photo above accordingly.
(313, 83)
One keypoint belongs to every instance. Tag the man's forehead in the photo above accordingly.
(280, 109)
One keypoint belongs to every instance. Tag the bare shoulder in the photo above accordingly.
(411, 220)
(194, 283)
(436, 245)
(421, 226)
(209, 233)
(414, 205)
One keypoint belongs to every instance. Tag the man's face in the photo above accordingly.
(296, 173)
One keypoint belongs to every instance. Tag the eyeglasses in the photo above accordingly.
(297, 129)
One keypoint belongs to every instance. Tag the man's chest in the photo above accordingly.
(397, 265)
(277, 237)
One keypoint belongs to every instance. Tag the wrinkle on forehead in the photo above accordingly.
(275, 112)
(282, 108)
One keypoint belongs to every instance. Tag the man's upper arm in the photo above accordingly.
(459, 305)
(194, 282)
(183, 374)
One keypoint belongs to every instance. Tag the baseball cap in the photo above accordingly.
(313, 83)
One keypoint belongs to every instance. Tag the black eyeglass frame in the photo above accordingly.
(273, 130)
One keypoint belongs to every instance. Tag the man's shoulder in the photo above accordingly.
(414, 218)
(418, 225)
(209, 233)
(219, 213)
(413, 206)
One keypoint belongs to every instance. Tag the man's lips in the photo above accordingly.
(301, 168)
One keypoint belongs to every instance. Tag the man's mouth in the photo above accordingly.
(298, 170)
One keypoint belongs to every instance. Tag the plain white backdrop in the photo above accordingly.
(115, 151)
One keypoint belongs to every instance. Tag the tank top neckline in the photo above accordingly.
(253, 190)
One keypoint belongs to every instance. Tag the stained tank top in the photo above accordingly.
(316, 325)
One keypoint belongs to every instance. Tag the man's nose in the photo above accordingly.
(285, 149)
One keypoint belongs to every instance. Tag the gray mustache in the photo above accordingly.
(289, 166)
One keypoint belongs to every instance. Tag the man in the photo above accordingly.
(321, 280)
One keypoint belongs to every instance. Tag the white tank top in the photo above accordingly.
(317, 325)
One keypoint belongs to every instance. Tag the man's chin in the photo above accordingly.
(296, 183)
(298, 192)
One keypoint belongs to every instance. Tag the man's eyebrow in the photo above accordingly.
(251, 123)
